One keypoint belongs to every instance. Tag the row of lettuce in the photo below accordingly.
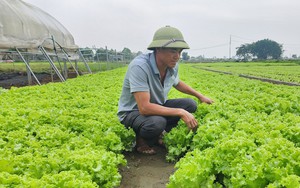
(281, 71)
(250, 136)
(63, 134)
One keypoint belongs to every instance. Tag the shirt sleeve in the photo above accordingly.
(138, 79)
(176, 80)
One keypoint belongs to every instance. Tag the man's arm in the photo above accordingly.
(147, 108)
(184, 88)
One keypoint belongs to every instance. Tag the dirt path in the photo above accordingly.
(146, 171)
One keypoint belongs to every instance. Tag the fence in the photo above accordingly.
(59, 63)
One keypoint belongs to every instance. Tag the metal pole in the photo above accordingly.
(29, 74)
(72, 65)
(54, 48)
(27, 66)
(67, 56)
(85, 63)
(76, 65)
(230, 47)
(65, 70)
(106, 53)
(52, 63)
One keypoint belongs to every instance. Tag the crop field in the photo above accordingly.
(287, 71)
(68, 135)
(40, 67)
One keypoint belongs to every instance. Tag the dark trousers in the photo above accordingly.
(150, 127)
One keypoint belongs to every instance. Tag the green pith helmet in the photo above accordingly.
(168, 37)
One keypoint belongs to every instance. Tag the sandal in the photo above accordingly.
(145, 150)
(160, 141)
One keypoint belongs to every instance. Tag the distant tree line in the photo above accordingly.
(104, 54)
(262, 50)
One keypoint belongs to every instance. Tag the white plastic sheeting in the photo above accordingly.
(23, 25)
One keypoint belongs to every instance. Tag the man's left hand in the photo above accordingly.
(206, 100)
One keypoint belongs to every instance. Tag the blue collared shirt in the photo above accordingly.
(143, 75)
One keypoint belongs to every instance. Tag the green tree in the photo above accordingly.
(87, 53)
(262, 49)
(101, 55)
(245, 51)
(127, 54)
(267, 49)
(126, 51)
(185, 56)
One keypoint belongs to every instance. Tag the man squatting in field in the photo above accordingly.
(143, 104)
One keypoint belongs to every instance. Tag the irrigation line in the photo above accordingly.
(269, 80)
(253, 77)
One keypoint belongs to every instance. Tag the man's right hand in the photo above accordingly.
(146, 108)
(189, 119)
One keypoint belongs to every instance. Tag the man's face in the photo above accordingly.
(169, 56)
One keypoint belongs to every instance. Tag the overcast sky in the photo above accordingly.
(206, 24)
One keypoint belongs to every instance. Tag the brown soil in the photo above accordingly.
(144, 171)
(20, 79)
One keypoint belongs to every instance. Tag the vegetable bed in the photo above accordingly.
(68, 135)
(249, 137)
(63, 134)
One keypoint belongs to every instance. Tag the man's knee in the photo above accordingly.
(185, 103)
(154, 127)
(191, 105)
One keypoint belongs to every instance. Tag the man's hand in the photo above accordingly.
(205, 100)
(189, 119)
(148, 109)
(184, 88)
